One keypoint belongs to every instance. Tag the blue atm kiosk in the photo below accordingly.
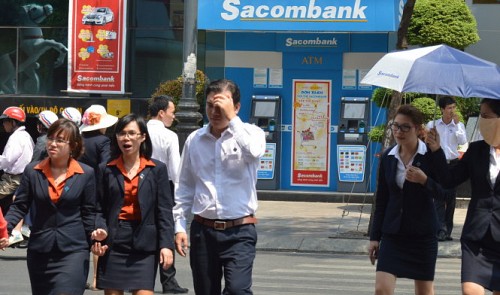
(266, 113)
(352, 145)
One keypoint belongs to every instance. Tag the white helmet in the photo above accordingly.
(47, 118)
(72, 114)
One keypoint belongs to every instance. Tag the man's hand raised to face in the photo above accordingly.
(225, 104)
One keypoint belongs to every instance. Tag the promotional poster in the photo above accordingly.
(96, 41)
(311, 140)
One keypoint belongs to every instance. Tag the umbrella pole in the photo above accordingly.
(435, 111)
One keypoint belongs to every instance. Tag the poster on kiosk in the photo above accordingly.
(310, 136)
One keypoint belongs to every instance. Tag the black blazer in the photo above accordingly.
(156, 229)
(408, 211)
(40, 151)
(484, 205)
(97, 149)
(65, 225)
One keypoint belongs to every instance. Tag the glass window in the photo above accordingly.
(34, 40)
(155, 45)
(33, 47)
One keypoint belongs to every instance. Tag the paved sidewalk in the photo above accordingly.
(327, 227)
(321, 227)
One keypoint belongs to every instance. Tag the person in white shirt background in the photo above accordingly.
(452, 134)
(165, 149)
(217, 184)
(16, 155)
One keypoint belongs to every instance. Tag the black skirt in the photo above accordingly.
(481, 262)
(123, 267)
(406, 257)
(58, 272)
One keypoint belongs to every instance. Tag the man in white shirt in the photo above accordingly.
(452, 134)
(17, 152)
(166, 149)
(16, 155)
(165, 141)
(217, 183)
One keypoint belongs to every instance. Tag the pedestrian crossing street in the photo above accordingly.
(276, 273)
(299, 273)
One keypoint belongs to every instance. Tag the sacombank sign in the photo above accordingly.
(299, 15)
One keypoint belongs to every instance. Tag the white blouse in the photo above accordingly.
(401, 168)
(494, 165)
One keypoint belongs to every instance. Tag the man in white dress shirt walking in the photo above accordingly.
(452, 134)
(217, 183)
(166, 149)
(16, 155)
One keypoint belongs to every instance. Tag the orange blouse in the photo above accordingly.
(130, 209)
(55, 190)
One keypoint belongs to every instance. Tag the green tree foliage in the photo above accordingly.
(382, 97)
(468, 107)
(376, 133)
(173, 88)
(442, 22)
(430, 109)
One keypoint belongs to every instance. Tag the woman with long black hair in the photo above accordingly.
(135, 211)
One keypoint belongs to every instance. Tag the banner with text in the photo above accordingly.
(300, 15)
(96, 60)
(310, 134)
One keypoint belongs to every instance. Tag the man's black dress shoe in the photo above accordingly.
(441, 236)
(175, 290)
(23, 244)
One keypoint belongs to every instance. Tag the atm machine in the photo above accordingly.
(352, 145)
(266, 113)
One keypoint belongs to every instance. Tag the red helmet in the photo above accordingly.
(15, 113)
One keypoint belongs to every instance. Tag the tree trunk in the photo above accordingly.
(396, 96)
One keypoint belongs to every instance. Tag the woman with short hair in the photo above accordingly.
(62, 190)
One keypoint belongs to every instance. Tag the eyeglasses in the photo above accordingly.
(403, 128)
(57, 140)
(489, 116)
(130, 134)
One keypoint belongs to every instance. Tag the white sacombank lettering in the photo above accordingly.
(232, 11)
(81, 78)
(311, 42)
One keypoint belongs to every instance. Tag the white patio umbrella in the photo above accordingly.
(439, 69)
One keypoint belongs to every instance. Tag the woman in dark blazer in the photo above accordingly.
(403, 233)
(136, 212)
(96, 144)
(481, 232)
(62, 191)
(95, 122)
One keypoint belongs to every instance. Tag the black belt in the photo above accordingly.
(225, 224)
(129, 222)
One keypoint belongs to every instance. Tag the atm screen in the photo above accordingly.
(354, 111)
(264, 109)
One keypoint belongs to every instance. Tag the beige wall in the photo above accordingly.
(489, 30)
